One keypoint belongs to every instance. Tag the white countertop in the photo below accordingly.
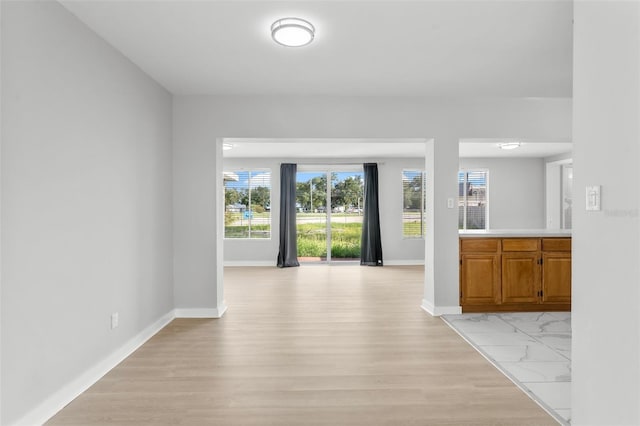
(513, 233)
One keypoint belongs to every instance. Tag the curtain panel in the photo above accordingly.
(371, 244)
(288, 255)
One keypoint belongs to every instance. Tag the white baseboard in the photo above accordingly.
(56, 402)
(437, 311)
(222, 308)
(249, 263)
(404, 262)
(201, 312)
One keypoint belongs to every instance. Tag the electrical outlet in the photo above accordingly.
(449, 203)
(114, 320)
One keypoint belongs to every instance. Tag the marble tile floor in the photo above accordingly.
(532, 348)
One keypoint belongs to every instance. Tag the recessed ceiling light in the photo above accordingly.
(509, 145)
(292, 32)
(227, 146)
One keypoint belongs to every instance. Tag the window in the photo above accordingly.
(247, 200)
(413, 203)
(473, 197)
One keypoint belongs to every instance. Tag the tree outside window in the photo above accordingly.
(413, 204)
(473, 197)
(247, 196)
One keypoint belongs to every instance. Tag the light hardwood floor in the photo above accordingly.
(315, 345)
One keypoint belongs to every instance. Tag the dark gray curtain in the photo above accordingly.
(371, 246)
(288, 255)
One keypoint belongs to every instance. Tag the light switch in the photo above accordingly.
(449, 203)
(593, 198)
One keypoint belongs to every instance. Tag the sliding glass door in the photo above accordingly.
(329, 213)
(311, 216)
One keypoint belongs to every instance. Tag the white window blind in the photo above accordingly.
(247, 196)
(473, 199)
(413, 204)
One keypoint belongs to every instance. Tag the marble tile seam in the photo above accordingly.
(544, 380)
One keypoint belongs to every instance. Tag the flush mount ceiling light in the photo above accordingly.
(292, 32)
(509, 145)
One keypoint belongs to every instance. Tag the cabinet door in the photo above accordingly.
(520, 277)
(556, 277)
(480, 279)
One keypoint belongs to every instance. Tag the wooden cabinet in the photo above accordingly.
(480, 271)
(520, 277)
(480, 279)
(520, 270)
(515, 274)
(556, 271)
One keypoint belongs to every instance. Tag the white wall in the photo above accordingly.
(395, 248)
(256, 251)
(1, 137)
(199, 120)
(86, 202)
(516, 191)
(606, 244)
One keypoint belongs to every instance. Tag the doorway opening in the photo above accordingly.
(330, 208)
(234, 153)
(559, 197)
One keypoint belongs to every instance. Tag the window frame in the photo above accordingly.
(423, 204)
(466, 172)
(251, 171)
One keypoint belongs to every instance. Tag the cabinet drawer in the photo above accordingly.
(520, 244)
(556, 244)
(483, 245)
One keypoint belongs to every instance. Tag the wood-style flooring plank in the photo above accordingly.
(315, 345)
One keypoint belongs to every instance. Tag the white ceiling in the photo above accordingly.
(513, 48)
(531, 149)
(363, 149)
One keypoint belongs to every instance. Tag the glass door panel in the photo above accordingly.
(347, 194)
(311, 216)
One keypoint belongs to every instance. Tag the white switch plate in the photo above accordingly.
(593, 198)
(449, 203)
(114, 320)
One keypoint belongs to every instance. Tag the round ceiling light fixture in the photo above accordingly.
(509, 145)
(292, 32)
